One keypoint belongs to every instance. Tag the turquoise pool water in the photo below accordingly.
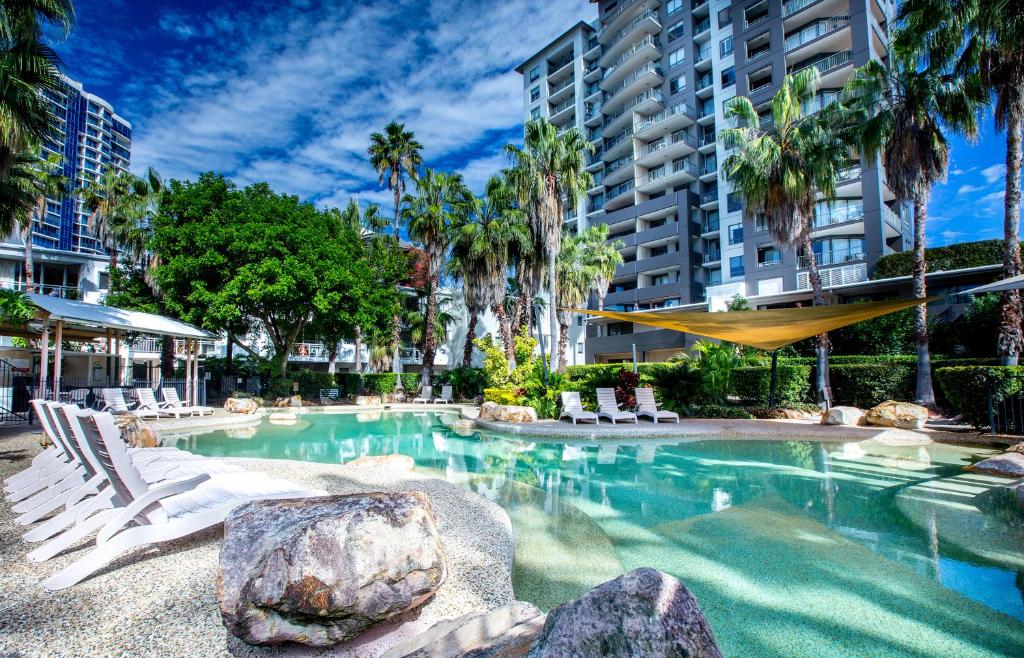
(793, 548)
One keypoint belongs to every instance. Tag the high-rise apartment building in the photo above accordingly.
(647, 83)
(89, 137)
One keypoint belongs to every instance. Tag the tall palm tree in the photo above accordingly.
(441, 202)
(46, 181)
(481, 248)
(395, 154)
(988, 37)
(603, 257)
(901, 109)
(781, 172)
(549, 172)
(369, 222)
(28, 67)
(575, 279)
(116, 214)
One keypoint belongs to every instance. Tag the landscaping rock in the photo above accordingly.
(320, 570)
(462, 424)
(283, 418)
(1008, 464)
(241, 406)
(903, 415)
(510, 630)
(642, 613)
(487, 410)
(514, 414)
(1016, 447)
(843, 416)
(471, 413)
(134, 432)
(394, 462)
(367, 400)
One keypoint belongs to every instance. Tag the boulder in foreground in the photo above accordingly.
(1008, 464)
(843, 416)
(507, 413)
(241, 406)
(902, 415)
(319, 571)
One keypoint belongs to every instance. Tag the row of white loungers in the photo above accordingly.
(608, 407)
(89, 481)
(444, 398)
(148, 406)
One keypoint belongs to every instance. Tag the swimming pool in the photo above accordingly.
(792, 548)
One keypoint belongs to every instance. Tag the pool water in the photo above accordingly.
(792, 548)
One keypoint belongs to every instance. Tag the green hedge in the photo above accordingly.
(753, 383)
(866, 384)
(383, 383)
(466, 383)
(675, 384)
(717, 411)
(966, 387)
(952, 257)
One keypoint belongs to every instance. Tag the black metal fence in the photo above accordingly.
(81, 391)
(1006, 406)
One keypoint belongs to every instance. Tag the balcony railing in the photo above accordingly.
(709, 197)
(703, 53)
(826, 64)
(712, 256)
(794, 6)
(711, 226)
(609, 144)
(64, 292)
(901, 224)
(709, 168)
(633, 24)
(666, 142)
(596, 203)
(561, 107)
(700, 26)
(839, 215)
(706, 138)
(815, 30)
(837, 257)
(819, 102)
(667, 113)
(849, 173)
(622, 188)
(669, 169)
(563, 85)
(647, 69)
(634, 49)
(618, 164)
(704, 82)
(612, 15)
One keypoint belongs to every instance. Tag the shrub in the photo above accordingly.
(951, 257)
(348, 382)
(466, 383)
(505, 395)
(383, 383)
(752, 384)
(867, 384)
(966, 387)
(717, 411)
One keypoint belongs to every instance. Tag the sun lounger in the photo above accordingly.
(114, 402)
(647, 406)
(425, 395)
(572, 408)
(172, 401)
(147, 402)
(608, 407)
(445, 397)
(162, 512)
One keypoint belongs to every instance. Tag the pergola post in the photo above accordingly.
(110, 351)
(44, 362)
(58, 355)
(117, 358)
(188, 372)
(195, 372)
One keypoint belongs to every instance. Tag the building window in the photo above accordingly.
(535, 113)
(756, 13)
(736, 266)
(715, 278)
(725, 46)
(736, 233)
(676, 57)
(620, 328)
(724, 18)
(535, 73)
(579, 347)
(768, 255)
(733, 202)
(672, 7)
(535, 94)
(677, 84)
(658, 251)
(729, 76)
(676, 30)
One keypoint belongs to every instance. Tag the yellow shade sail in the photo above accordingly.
(768, 329)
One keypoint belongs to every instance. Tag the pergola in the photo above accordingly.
(74, 320)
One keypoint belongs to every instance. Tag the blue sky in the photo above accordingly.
(288, 91)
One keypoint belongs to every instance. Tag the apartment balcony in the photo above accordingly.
(560, 71)
(591, 72)
(830, 67)
(654, 263)
(597, 184)
(641, 79)
(838, 216)
(834, 276)
(593, 93)
(815, 31)
(706, 141)
(849, 183)
(710, 227)
(643, 51)
(666, 230)
(618, 171)
(705, 86)
(702, 58)
(619, 196)
(562, 90)
(702, 28)
(709, 199)
(712, 258)
(830, 258)
(618, 41)
(592, 51)
(596, 204)
(708, 172)
(645, 103)
(667, 121)
(561, 112)
(617, 19)
(618, 145)
(667, 176)
(820, 101)
(593, 117)
(666, 148)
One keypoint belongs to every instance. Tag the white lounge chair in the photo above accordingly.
(114, 402)
(445, 397)
(147, 402)
(425, 395)
(159, 513)
(172, 401)
(572, 408)
(608, 407)
(647, 406)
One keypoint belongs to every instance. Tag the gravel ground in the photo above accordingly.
(162, 601)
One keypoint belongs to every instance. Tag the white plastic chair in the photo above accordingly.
(425, 395)
(572, 408)
(172, 401)
(608, 407)
(445, 397)
(647, 406)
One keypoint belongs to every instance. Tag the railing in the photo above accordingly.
(815, 30)
(562, 85)
(834, 276)
(615, 165)
(597, 203)
(703, 53)
(666, 142)
(837, 257)
(707, 138)
(709, 168)
(612, 15)
(646, 69)
(712, 256)
(622, 188)
(839, 215)
(826, 64)
(748, 22)
(849, 173)
(64, 292)
(667, 113)
(667, 170)
(763, 86)
(650, 94)
(702, 25)
(709, 197)
(561, 107)
(894, 220)
(819, 102)
(711, 226)
(703, 82)
(634, 49)
(594, 66)
(618, 139)
(794, 6)
(1005, 398)
(774, 259)
(310, 351)
(633, 24)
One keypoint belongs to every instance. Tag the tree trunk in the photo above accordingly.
(600, 298)
(167, 357)
(112, 263)
(552, 311)
(821, 350)
(1010, 339)
(332, 359)
(925, 393)
(283, 358)
(507, 341)
(30, 278)
(396, 332)
(429, 340)
(359, 350)
(230, 354)
(467, 351)
(563, 342)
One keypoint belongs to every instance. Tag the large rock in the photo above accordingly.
(510, 630)
(487, 410)
(367, 400)
(843, 416)
(903, 415)
(135, 432)
(514, 414)
(1008, 464)
(644, 613)
(320, 570)
(241, 406)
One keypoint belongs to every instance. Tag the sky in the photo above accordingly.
(288, 92)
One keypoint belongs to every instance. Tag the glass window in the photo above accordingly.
(676, 30)
(729, 76)
(735, 233)
(677, 84)
(673, 6)
(736, 266)
(535, 113)
(725, 46)
(534, 73)
(768, 256)
(676, 57)
(535, 94)
(724, 18)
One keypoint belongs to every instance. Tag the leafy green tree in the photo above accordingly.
(43, 180)
(902, 109)
(781, 171)
(603, 257)
(575, 279)
(117, 204)
(15, 308)
(550, 173)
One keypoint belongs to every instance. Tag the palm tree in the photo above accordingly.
(781, 172)
(419, 329)
(116, 214)
(549, 172)
(603, 257)
(28, 67)
(481, 247)
(575, 279)
(441, 202)
(395, 154)
(369, 222)
(901, 109)
(45, 181)
(987, 36)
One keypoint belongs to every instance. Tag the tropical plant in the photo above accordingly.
(442, 202)
(41, 179)
(15, 308)
(369, 223)
(781, 172)
(714, 363)
(902, 108)
(117, 205)
(603, 257)
(575, 279)
(987, 37)
(416, 321)
(549, 172)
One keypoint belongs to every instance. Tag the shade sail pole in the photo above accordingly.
(58, 355)
(771, 388)
(44, 363)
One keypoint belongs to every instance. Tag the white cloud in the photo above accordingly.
(967, 189)
(994, 173)
(994, 197)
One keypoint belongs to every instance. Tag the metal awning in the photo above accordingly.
(87, 320)
(1013, 283)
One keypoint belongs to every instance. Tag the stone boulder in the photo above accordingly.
(394, 462)
(487, 410)
(510, 630)
(283, 418)
(241, 406)
(1008, 464)
(902, 415)
(134, 432)
(319, 571)
(367, 400)
(508, 413)
(642, 613)
(843, 416)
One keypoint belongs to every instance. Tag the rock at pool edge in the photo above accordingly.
(319, 571)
